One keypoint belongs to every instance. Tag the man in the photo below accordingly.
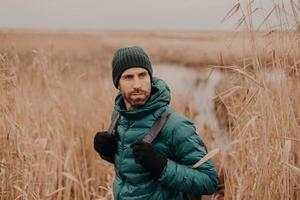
(161, 170)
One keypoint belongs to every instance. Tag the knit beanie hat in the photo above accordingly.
(128, 57)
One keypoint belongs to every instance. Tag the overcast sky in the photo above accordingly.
(117, 14)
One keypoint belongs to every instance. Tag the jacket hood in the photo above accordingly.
(160, 97)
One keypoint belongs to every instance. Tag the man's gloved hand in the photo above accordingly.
(145, 155)
(106, 145)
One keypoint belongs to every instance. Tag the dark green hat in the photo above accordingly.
(128, 57)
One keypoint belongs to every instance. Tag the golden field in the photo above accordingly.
(57, 92)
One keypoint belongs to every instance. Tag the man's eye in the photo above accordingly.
(143, 75)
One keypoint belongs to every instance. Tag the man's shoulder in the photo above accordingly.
(178, 127)
(177, 119)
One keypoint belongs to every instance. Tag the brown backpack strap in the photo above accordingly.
(157, 126)
(112, 126)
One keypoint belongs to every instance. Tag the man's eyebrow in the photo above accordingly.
(142, 73)
(127, 75)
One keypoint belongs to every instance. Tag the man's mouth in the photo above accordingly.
(140, 94)
(137, 93)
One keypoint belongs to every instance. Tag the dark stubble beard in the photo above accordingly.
(134, 101)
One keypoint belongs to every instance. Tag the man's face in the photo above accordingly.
(135, 87)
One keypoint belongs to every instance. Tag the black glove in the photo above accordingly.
(106, 145)
(145, 155)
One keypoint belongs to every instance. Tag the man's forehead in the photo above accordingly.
(134, 70)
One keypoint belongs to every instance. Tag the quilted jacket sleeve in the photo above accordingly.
(188, 149)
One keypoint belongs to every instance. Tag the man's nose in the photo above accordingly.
(136, 83)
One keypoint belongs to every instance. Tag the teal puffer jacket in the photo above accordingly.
(177, 141)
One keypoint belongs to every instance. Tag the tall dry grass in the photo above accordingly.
(47, 131)
(262, 160)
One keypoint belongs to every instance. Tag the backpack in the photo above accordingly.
(150, 137)
(154, 130)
